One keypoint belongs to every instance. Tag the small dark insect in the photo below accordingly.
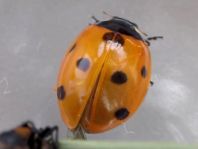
(27, 136)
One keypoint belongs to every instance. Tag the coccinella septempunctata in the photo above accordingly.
(27, 136)
(104, 76)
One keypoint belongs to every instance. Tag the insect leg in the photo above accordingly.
(151, 83)
(95, 19)
(78, 133)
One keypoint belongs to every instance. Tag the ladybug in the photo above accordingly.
(27, 136)
(104, 75)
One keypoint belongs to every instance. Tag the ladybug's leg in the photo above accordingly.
(95, 19)
(151, 83)
(77, 133)
(147, 42)
(155, 38)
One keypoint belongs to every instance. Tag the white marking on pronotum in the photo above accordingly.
(4, 83)
(113, 45)
(101, 49)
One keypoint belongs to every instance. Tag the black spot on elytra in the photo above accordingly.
(143, 72)
(108, 36)
(72, 48)
(83, 64)
(119, 77)
(61, 92)
(121, 113)
(119, 39)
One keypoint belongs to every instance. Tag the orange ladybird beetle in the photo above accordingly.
(104, 75)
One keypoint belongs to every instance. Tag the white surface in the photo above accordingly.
(33, 39)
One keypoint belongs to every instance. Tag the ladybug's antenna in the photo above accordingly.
(155, 37)
(107, 14)
(152, 38)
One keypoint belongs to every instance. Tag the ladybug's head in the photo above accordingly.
(122, 26)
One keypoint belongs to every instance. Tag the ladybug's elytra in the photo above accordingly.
(104, 75)
(27, 136)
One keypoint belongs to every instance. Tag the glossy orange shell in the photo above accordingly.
(88, 94)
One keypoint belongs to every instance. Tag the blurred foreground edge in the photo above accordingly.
(80, 144)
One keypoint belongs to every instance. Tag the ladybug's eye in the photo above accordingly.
(119, 39)
(108, 36)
